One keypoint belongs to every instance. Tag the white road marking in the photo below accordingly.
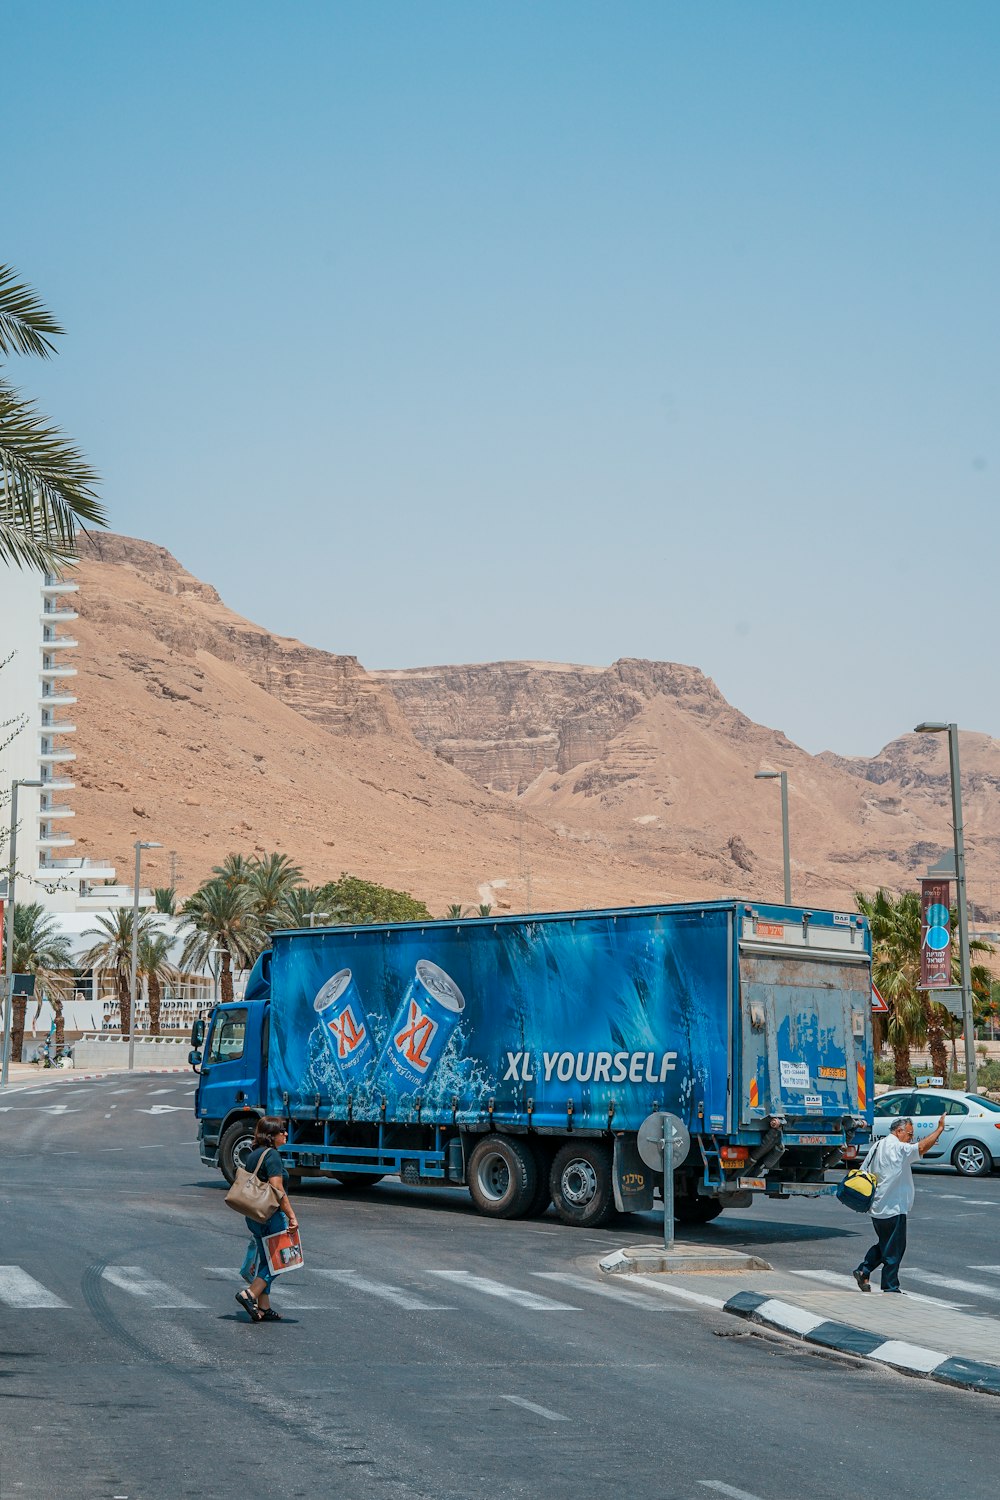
(596, 1289)
(395, 1294)
(490, 1288)
(161, 1109)
(726, 1489)
(687, 1296)
(993, 1270)
(153, 1092)
(540, 1411)
(837, 1278)
(954, 1284)
(129, 1090)
(977, 1202)
(18, 1289)
(58, 1109)
(138, 1283)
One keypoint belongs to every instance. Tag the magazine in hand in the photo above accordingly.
(283, 1251)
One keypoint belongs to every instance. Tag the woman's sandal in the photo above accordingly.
(268, 1315)
(249, 1305)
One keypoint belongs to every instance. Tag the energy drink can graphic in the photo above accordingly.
(429, 1011)
(345, 1027)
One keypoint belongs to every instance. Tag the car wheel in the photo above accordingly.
(972, 1159)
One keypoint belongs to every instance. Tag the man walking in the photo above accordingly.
(892, 1201)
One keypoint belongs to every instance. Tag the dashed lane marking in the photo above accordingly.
(395, 1294)
(539, 1411)
(490, 1288)
(18, 1289)
(726, 1489)
(138, 1283)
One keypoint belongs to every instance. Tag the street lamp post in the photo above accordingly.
(965, 981)
(140, 844)
(782, 776)
(8, 986)
(216, 953)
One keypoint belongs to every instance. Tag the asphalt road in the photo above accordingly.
(428, 1354)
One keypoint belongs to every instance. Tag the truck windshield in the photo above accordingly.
(226, 1043)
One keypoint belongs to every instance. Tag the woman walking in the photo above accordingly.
(264, 1159)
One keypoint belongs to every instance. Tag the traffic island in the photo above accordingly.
(646, 1260)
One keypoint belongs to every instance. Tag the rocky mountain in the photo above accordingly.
(533, 785)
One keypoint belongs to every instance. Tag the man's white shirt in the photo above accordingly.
(891, 1165)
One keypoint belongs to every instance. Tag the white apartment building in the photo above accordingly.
(36, 700)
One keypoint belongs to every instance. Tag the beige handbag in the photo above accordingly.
(253, 1195)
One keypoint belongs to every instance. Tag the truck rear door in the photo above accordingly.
(805, 1016)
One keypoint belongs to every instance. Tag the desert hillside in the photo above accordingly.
(533, 785)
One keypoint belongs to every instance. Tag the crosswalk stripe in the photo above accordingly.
(612, 1293)
(992, 1270)
(838, 1278)
(955, 1284)
(18, 1289)
(137, 1282)
(383, 1289)
(507, 1293)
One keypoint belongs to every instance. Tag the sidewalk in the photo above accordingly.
(914, 1334)
(22, 1074)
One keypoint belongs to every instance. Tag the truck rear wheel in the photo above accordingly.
(235, 1144)
(502, 1177)
(581, 1184)
(696, 1210)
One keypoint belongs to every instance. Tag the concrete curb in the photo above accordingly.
(649, 1261)
(912, 1359)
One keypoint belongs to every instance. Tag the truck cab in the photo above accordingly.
(229, 1053)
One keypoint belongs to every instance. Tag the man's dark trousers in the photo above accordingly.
(888, 1252)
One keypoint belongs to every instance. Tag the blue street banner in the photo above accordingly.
(935, 934)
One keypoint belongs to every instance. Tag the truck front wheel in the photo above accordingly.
(581, 1183)
(235, 1144)
(502, 1177)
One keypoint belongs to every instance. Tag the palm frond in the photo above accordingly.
(47, 488)
(26, 326)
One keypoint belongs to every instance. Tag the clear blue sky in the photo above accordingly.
(436, 332)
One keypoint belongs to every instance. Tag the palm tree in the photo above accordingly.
(897, 936)
(113, 951)
(308, 901)
(455, 912)
(39, 949)
(222, 916)
(154, 963)
(235, 869)
(165, 899)
(485, 908)
(270, 881)
(46, 486)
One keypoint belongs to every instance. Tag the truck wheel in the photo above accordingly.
(581, 1186)
(358, 1180)
(502, 1177)
(972, 1159)
(696, 1210)
(539, 1204)
(235, 1144)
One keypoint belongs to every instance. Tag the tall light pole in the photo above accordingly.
(782, 776)
(8, 986)
(140, 844)
(965, 981)
(216, 953)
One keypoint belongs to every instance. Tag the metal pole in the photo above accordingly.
(668, 1186)
(784, 838)
(135, 957)
(968, 1021)
(8, 967)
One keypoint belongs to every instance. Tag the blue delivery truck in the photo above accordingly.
(518, 1056)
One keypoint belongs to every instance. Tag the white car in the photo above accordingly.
(971, 1138)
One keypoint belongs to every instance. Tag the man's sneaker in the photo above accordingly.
(861, 1277)
(895, 1291)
